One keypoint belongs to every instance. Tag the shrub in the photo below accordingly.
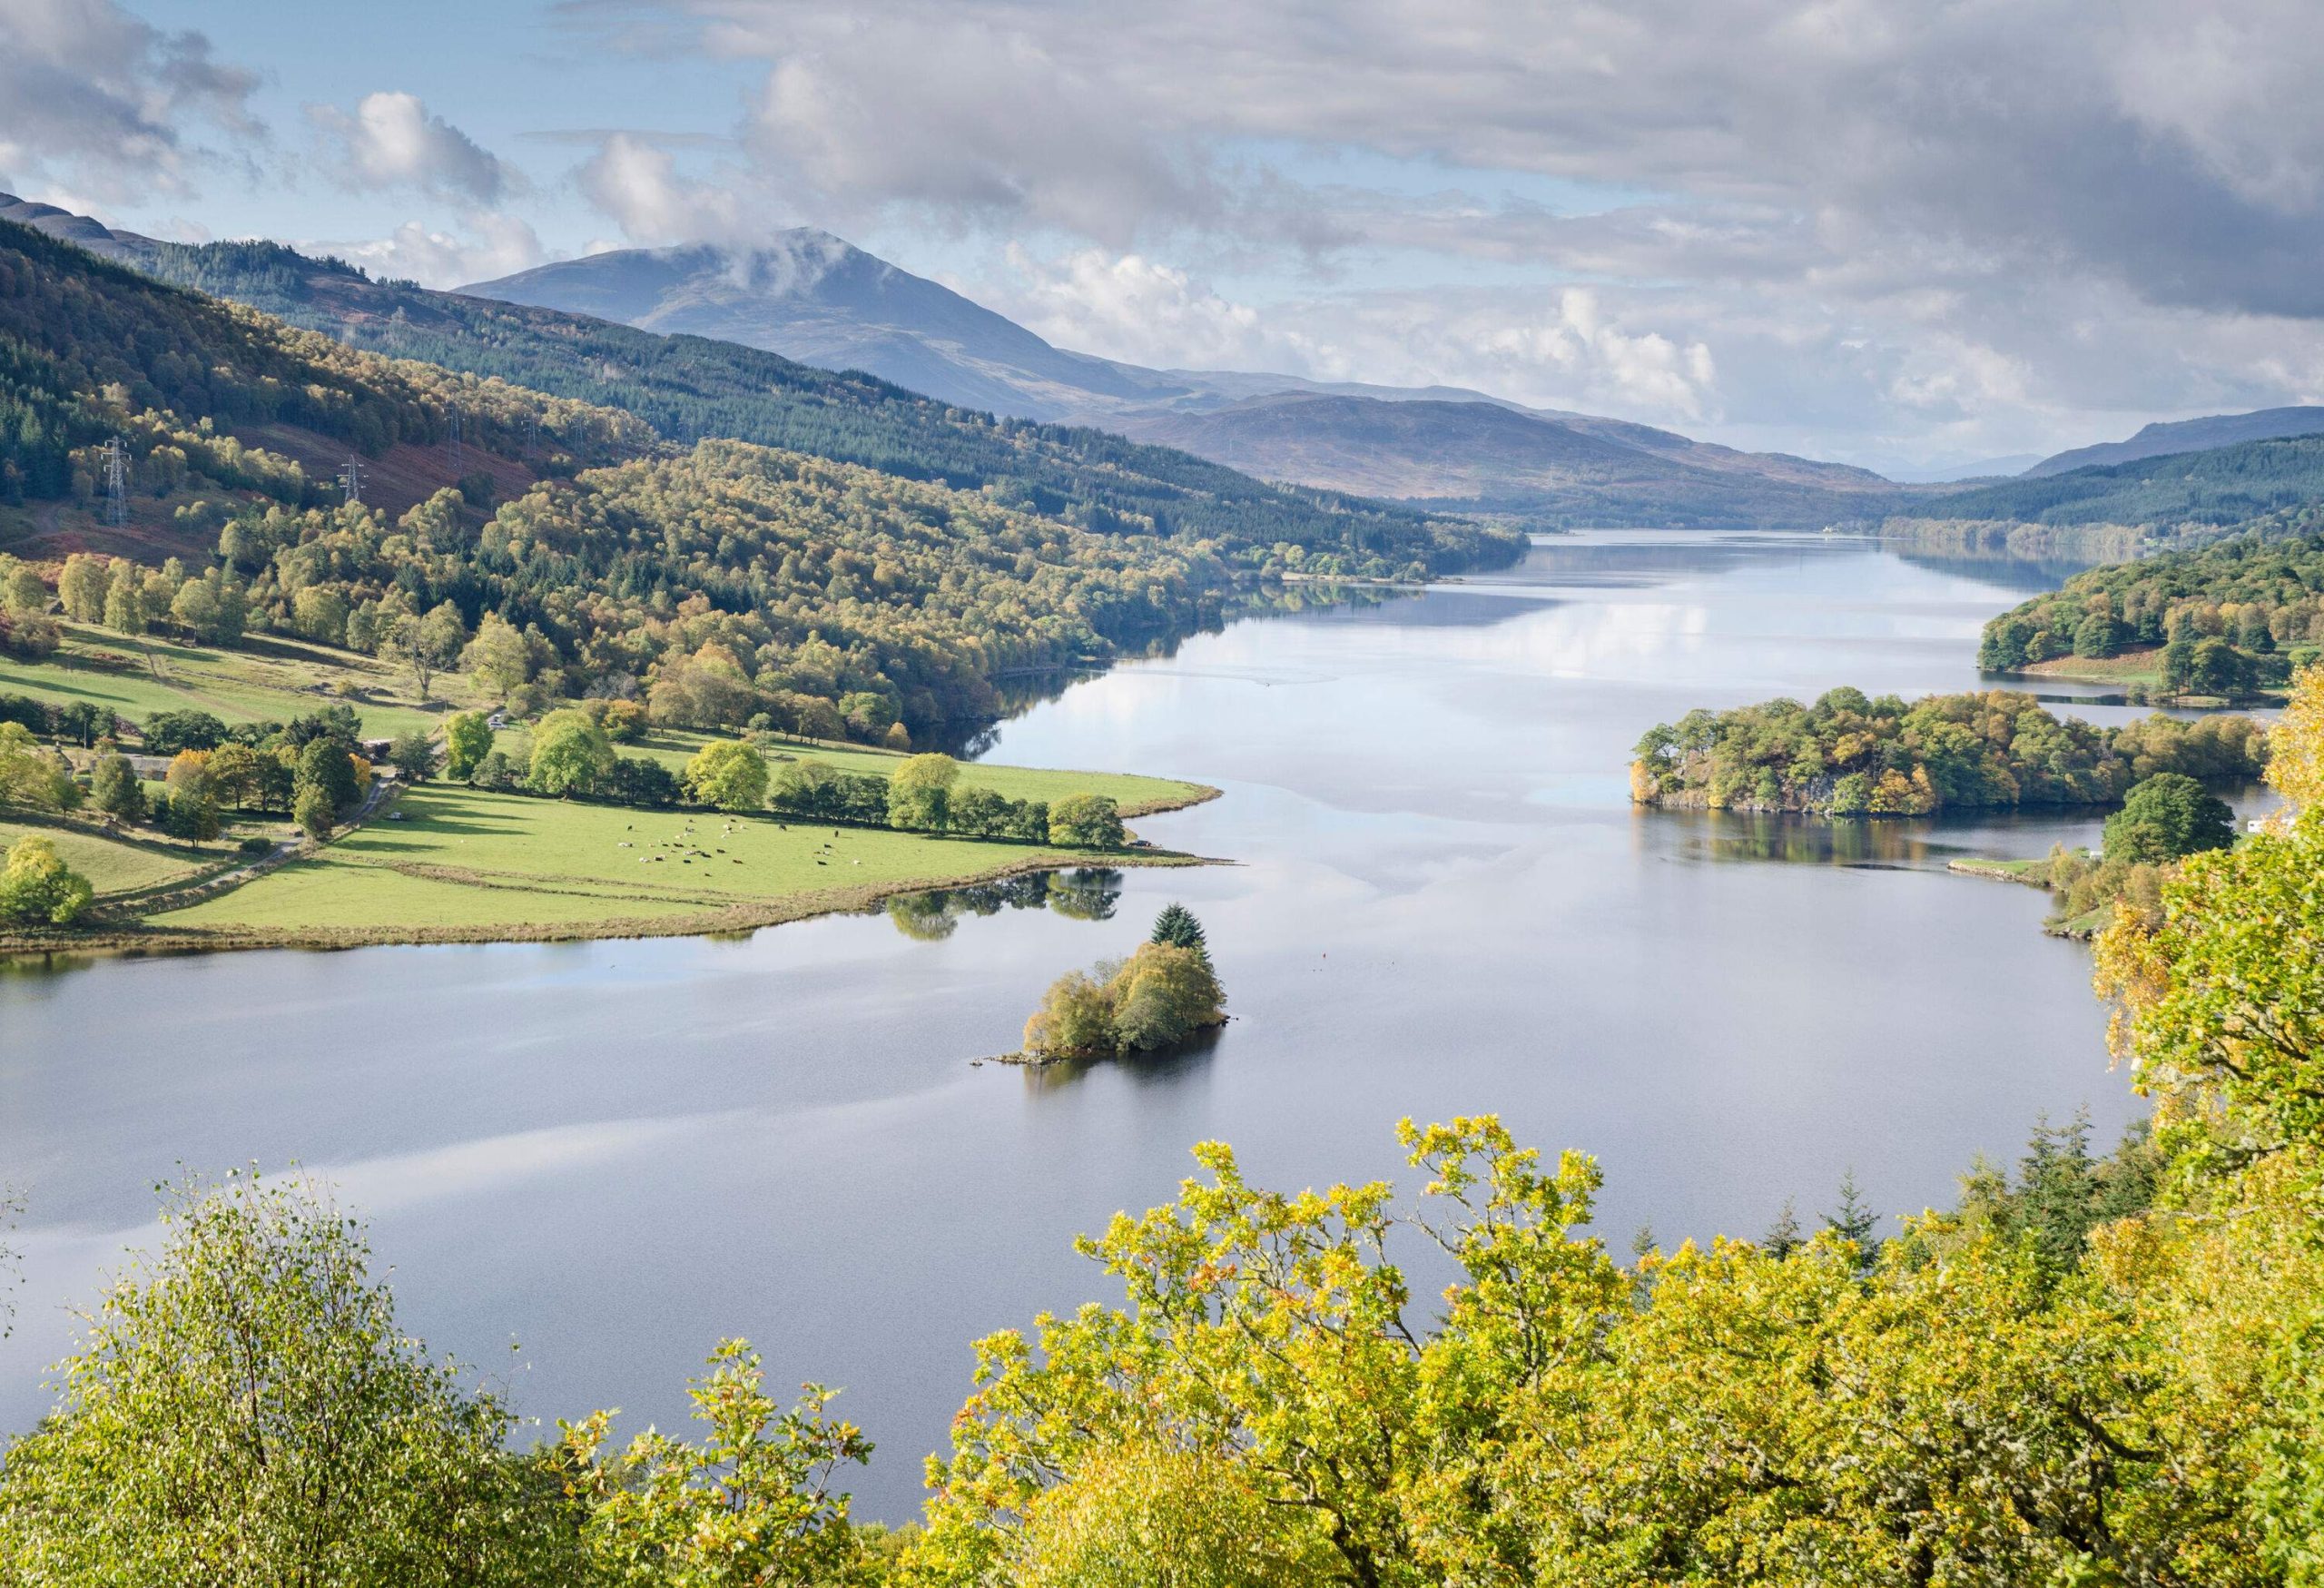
(116, 787)
(920, 792)
(639, 780)
(413, 755)
(468, 739)
(1075, 1019)
(571, 755)
(38, 889)
(315, 813)
(1161, 996)
(169, 732)
(29, 635)
(496, 772)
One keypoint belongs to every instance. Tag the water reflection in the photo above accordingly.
(1808, 840)
(1163, 1067)
(1082, 893)
(1921, 843)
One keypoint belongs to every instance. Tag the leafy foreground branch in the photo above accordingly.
(2105, 1373)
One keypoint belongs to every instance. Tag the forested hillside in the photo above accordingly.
(731, 580)
(687, 387)
(197, 390)
(2221, 486)
(2229, 617)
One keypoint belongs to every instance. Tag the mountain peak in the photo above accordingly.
(91, 234)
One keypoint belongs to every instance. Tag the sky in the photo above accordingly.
(1911, 235)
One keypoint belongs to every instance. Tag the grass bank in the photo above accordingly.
(270, 679)
(450, 863)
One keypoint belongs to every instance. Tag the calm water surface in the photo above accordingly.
(617, 1153)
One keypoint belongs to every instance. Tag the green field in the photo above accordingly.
(119, 865)
(1133, 793)
(274, 681)
(464, 863)
(459, 863)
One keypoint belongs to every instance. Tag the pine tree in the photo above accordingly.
(1855, 1221)
(1783, 1237)
(1176, 928)
(2058, 1189)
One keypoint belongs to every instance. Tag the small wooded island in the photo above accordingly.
(1159, 996)
(1849, 754)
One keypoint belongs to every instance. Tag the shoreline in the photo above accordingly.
(130, 942)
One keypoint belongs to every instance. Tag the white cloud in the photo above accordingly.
(1127, 307)
(637, 185)
(1836, 221)
(1577, 345)
(392, 142)
(493, 245)
(93, 98)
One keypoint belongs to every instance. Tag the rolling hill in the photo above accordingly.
(1483, 457)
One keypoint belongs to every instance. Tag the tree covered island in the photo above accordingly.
(1849, 754)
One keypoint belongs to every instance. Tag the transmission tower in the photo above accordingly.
(452, 439)
(350, 480)
(116, 483)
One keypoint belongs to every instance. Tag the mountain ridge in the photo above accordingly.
(2165, 438)
(834, 307)
(814, 297)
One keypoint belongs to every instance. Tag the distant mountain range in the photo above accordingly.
(2159, 440)
(814, 297)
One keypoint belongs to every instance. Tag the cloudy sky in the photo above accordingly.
(1906, 233)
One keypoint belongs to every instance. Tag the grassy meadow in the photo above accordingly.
(456, 863)
(452, 862)
(117, 863)
(1134, 794)
(272, 679)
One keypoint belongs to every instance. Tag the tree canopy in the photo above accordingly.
(2231, 617)
(1850, 755)
(2168, 817)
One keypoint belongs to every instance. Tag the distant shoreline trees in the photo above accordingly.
(1851, 756)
